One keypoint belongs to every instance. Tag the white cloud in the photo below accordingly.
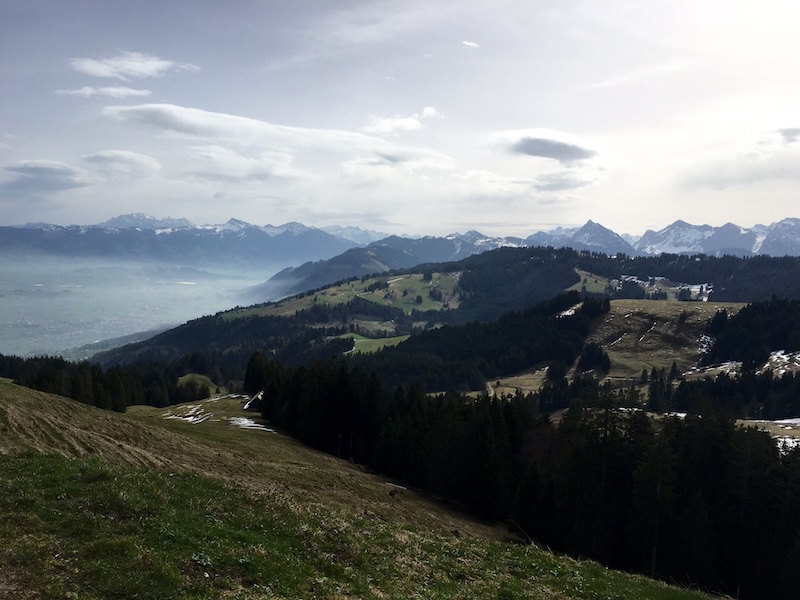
(646, 72)
(560, 181)
(470, 44)
(221, 164)
(390, 125)
(133, 164)
(236, 130)
(380, 23)
(771, 158)
(406, 160)
(128, 65)
(747, 170)
(88, 91)
(383, 125)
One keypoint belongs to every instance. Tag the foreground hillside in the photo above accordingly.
(100, 505)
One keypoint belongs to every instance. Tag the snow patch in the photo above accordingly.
(246, 423)
(619, 339)
(194, 414)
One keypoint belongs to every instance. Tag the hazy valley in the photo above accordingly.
(51, 305)
(65, 287)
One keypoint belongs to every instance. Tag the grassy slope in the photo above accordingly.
(232, 513)
(637, 335)
(366, 345)
(642, 334)
(412, 285)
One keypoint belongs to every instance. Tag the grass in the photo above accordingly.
(642, 334)
(365, 345)
(100, 505)
(89, 529)
(402, 293)
(637, 335)
(200, 380)
(595, 284)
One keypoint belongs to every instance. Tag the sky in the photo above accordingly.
(415, 117)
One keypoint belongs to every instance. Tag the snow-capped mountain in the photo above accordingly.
(140, 236)
(355, 234)
(730, 239)
(176, 241)
(679, 237)
(591, 236)
(780, 238)
(483, 242)
(143, 221)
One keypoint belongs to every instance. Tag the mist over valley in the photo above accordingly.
(51, 305)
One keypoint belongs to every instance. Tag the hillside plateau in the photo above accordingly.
(184, 503)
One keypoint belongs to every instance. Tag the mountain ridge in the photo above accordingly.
(680, 237)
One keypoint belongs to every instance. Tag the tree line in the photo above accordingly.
(465, 356)
(695, 500)
(115, 388)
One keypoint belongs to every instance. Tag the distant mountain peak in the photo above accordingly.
(143, 221)
(355, 234)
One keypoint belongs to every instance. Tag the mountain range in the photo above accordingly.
(782, 238)
(311, 257)
(177, 241)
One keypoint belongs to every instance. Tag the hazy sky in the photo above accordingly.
(418, 117)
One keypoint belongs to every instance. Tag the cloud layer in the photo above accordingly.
(37, 177)
(128, 65)
(88, 91)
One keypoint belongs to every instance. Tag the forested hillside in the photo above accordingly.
(696, 500)
(489, 285)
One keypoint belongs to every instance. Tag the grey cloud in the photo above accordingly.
(790, 134)
(35, 177)
(563, 152)
(394, 159)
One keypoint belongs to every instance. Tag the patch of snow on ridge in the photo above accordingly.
(706, 342)
(619, 339)
(194, 415)
(571, 311)
(781, 362)
(246, 423)
(787, 443)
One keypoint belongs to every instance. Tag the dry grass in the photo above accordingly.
(259, 461)
(637, 335)
(294, 523)
(643, 334)
(595, 284)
